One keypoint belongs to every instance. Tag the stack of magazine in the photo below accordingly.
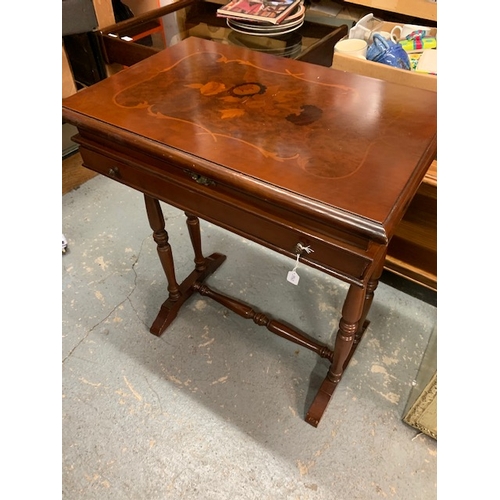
(263, 17)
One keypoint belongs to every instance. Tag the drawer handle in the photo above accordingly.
(301, 248)
(114, 172)
(200, 179)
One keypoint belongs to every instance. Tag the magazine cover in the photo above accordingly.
(270, 11)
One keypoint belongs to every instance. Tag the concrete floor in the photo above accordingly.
(214, 409)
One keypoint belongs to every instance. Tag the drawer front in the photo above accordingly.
(221, 205)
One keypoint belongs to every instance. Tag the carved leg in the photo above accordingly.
(370, 292)
(157, 223)
(193, 224)
(349, 323)
(178, 294)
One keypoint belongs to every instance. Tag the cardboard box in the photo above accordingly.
(383, 71)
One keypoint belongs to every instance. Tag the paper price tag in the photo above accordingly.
(293, 277)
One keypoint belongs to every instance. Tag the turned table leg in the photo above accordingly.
(204, 267)
(351, 316)
(193, 224)
(160, 235)
(351, 328)
(363, 323)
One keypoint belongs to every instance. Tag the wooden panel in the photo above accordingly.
(423, 9)
(431, 175)
(68, 83)
(141, 6)
(104, 13)
(413, 249)
(74, 174)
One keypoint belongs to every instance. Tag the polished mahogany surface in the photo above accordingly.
(350, 143)
(286, 153)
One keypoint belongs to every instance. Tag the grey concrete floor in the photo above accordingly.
(214, 409)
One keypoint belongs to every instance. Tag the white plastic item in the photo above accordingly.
(364, 27)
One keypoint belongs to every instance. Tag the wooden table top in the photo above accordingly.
(351, 145)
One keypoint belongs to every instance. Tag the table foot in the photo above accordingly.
(320, 402)
(170, 308)
(328, 386)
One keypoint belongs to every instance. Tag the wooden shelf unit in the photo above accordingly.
(413, 249)
(423, 9)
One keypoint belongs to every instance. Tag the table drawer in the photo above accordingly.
(250, 217)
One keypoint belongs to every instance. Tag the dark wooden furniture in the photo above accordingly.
(285, 153)
(124, 42)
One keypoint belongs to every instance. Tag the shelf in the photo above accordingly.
(412, 251)
(423, 9)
